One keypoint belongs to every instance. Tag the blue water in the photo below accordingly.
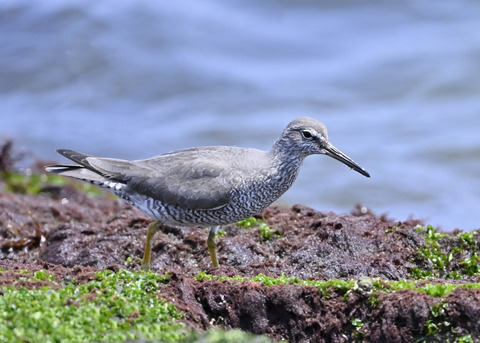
(396, 83)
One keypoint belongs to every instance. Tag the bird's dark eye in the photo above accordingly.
(307, 134)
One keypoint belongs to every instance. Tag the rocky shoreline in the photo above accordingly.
(73, 234)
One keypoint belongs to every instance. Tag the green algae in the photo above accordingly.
(125, 306)
(266, 232)
(115, 307)
(344, 286)
(447, 256)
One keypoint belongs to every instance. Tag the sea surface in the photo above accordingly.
(397, 83)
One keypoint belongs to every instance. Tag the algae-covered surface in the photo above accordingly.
(69, 272)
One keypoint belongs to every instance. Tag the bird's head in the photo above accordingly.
(306, 136)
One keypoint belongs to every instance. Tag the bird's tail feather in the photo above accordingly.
(83, 171)
(77, 157)
(78, 172)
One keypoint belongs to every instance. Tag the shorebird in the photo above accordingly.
(206, 186)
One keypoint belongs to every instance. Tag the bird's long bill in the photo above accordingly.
(340, 156)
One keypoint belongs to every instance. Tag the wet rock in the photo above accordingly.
(73, 235)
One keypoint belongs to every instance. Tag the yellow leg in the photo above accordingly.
(151, 231)
(212, 246)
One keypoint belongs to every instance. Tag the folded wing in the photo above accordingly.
(185, 179)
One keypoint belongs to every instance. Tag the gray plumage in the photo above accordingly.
(208, 186)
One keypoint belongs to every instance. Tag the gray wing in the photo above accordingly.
(193, 178)
(184, 181)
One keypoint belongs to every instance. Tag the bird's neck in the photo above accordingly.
(284, 160)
